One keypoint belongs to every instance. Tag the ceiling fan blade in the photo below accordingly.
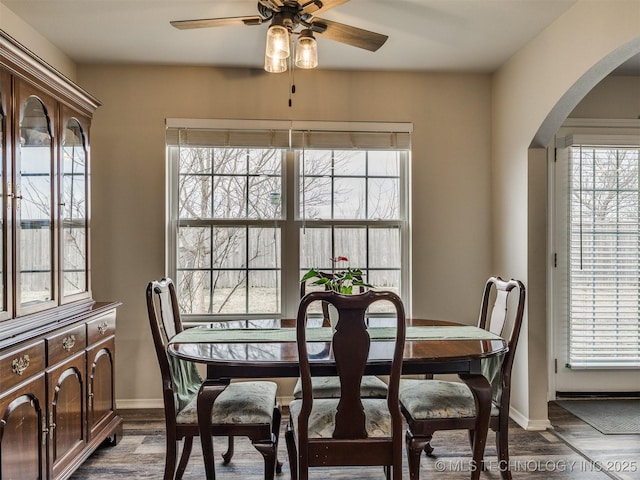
(217, 22)
(272, 4)
(354, 36)
(319, 6)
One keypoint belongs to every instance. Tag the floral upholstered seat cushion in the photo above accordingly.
(329, 387)
(425, 399)
(239, 403)
(323, 415)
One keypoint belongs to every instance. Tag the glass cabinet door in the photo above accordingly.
(5, 251)
(73, 211)
(34, 194)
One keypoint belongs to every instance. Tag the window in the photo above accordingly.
(603, 255)
(251, 209)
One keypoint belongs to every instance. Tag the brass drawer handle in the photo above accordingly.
(102, 327)
(68, 342)
(19, 365)
(45, 430)
(52, 425)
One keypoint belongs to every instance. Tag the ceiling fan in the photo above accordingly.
(294, 17)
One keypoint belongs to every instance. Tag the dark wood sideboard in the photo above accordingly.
(57, 345)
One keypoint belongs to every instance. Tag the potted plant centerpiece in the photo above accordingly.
(341, 281)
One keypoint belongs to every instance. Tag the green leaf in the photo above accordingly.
(310, 274)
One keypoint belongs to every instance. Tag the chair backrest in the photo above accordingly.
(180, 379)
(351, 344)
(495, 317)
(325, 309)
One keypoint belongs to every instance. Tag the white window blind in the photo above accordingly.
(296, 135)
(604, 256)
(244, 195)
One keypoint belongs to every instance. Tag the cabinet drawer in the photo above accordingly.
(66, 344)
(21, 364)
(101, 327)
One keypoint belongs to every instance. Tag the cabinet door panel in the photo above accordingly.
(22, 415)
(34, 206)
(5, 205)
(74, 211)
(101, 369)
(67, 436)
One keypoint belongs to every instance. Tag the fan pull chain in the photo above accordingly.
(292, 89)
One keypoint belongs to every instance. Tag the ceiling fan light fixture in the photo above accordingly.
(287, 18)
(306, 50)
(277, 42)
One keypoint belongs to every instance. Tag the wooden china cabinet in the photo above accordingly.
(57, 345)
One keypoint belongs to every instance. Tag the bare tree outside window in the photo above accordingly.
(346, 196)
(35, 207)
(604, 261)
(227, 267)
(239, 211)
(74, 210)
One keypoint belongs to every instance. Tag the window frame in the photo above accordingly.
(289, 223)
(575, 134)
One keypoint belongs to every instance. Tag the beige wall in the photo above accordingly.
(466, 224)
(15, 27)
(532, 94)
(615, 97)
(450, 177)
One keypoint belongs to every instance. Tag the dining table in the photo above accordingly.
(270, 351)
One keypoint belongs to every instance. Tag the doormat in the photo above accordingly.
(611, 417)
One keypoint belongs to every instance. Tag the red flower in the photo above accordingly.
(339, 259)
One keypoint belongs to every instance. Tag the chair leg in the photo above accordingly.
(502, 447)
(292, 452)
(269, 448)
(226, 456)
(275, 433)
(428, 449)
(471, 434)
(269, 452)
(387, 472)
(415, 446)
(170, 458)
(184, 458)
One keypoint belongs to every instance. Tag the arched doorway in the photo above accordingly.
(532, 95)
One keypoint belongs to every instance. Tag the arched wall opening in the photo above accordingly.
(532, 95)
(537, 157)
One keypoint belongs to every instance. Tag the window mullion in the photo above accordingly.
(216, 210)
(602, 310)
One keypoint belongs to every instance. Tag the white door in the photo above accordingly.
(595, 295)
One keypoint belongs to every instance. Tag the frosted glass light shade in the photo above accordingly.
(275, 65)
(306, 50)
(277, 42)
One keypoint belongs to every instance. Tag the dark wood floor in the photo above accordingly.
(618, 455)
(572, 450)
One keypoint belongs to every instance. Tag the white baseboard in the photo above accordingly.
(528, 423)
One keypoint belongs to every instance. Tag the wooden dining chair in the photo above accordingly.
(329, 386)
(349, 430)
(242, 409)
(432, 405)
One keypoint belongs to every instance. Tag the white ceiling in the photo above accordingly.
(425, 35)
(430, 35)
